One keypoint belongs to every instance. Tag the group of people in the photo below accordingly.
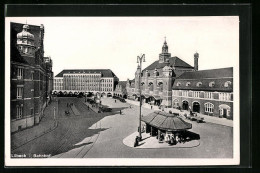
(172, 138)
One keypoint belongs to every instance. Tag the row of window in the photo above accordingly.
(19, 111)
(20, 74)
(211, 84)
(208, 95)
(27, 50)
(209, 108)
(81, 78)
(25, 41)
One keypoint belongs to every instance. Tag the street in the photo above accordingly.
(93, 135)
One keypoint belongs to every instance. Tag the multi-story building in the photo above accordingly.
(156, 80)
(96, 81)
(31, 75)
(120, 90)
(171, 82)
(207, 91)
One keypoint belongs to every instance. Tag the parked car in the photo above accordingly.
(122, 100)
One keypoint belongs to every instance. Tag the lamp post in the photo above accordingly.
(140, 59)
(100, 94)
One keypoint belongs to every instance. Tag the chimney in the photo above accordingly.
(196, 61)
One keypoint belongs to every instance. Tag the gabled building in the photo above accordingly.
(31, 75)
(120, 90)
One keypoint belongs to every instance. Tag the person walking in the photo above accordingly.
(120, 112)
(151, 107)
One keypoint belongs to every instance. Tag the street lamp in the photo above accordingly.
(140, 59)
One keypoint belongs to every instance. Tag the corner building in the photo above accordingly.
(208, 92)
(171, 82)
(31, 76)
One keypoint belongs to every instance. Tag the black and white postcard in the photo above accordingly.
(122, 91)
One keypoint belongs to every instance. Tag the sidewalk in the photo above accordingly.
(46, 125)
(149, 142)
(207, 119)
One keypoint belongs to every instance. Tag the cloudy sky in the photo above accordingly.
(115, 42)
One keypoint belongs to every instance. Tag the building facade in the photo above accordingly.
(96, 81)
(31, 76)
(120, 90)
(157, 79)
(171, 82)
(208, 92)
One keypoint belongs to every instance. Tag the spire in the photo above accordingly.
(165, 46)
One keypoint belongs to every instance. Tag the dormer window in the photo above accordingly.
(198, 84)
(227, 84)
(178, 84)
(188, 84)
(211, 84)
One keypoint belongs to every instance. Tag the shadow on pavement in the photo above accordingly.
(70, 142)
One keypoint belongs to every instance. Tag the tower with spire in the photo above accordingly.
(164, 56)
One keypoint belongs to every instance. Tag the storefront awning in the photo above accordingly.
(166, 121)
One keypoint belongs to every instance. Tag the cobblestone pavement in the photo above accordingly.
(72, 132)
(92, 135)
(216, 141)
(47, 124)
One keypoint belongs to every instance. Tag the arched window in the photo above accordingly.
(212, 84)
(209, 107)
(227, 84)
(142, 86)
(178, 84)
(198, 84)
(188, 84)
(160, 85)
(150, 85)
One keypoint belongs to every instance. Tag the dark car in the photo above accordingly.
(122, 100)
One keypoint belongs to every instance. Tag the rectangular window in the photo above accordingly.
(32, 111)
(19, 94)
(19, 112)
(196, 94)
(19, 73)
(208, 95)
(32, 75)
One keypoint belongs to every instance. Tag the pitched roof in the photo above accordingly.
(166, 121)
(189, 80)
(202, 74)
(122, 83)
(174, 61)
(104, 72)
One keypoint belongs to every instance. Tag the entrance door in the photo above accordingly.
(225, 113)
(185, 105)
(196, 107)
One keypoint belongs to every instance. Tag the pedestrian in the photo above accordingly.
(151, 107)
(115, 101)
(120, 112)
